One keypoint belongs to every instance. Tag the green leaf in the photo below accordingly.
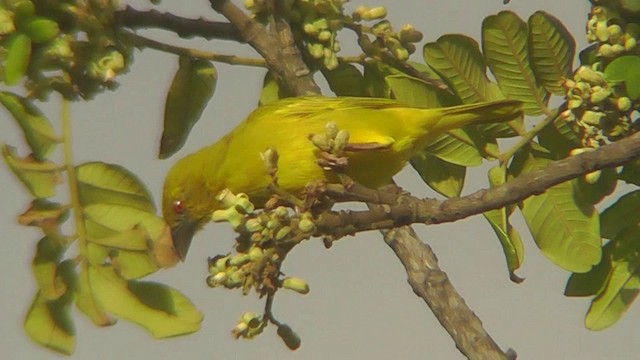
(565, 228)
(412, 91)
(559, 138)
(458, 149)
(622, 214)
(631, 172)
(625, 69)
(631, 5)
(594, 193)
(271, 90)
(593, 282)
(589, 55)
(37, 130)
(509, 238)
(48, 255)
(87, 302)
(162, 311)
(40, 178)
(504, 44)
(16, 61)
(457, 59)
(40, 29)
(48, 322)
(346, 80)
(105, 220)
(101, 183)
(552, 50)
(45, 214)
(443, 177)
(623, 284)
(192, 88)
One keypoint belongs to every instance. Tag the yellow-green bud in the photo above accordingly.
(309, 29)
(623, 103)
(592, 177)
(306, 226)
(239, 259)
(401, 53)
(381, 28)
(592, 118)
(243, 205)
(332, 129)
(629, 42)
(256, 254)
(296, 284)
(605, 50)
(324, 35)
(231, 216)
(359, 12)
(568, 84)
(574, 102)
(409, 34)
(375, 13)
(617, 49)
(6, 22)
(281, 212)
(602, 31)
(283, 232)
(316, 50)
(321, 24)
(320, 141)
(218, 278)
(273, 224)
(615, 32)
(587, 74)
(599, 94)
(235, 279)
(568, 115)
(253, 225)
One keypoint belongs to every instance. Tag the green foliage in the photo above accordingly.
(76, 49)
(192, 87)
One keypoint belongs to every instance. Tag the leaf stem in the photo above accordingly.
(78, 216)
(526, 138)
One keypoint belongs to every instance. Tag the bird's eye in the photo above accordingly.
(178, 207)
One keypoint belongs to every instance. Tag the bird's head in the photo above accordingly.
(186, 203)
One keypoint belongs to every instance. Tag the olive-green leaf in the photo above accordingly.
(552, 50)
(40, 29)
(102, 183)
(457, 59)
(412, 91)
(509, 238)
(631, 172)
(594, 193)
(623, 284)
(16, 61)
(625, 69)
(444, 177)
(505, 47)
(106, 220)
(593, 282)
(40, 178)
(559, 138)
(346, 80)
(565, 228)
(87, 302)
(622, 214)
(37, 130)
(162, 311)
(48, 322)
(374, 79)
(48, 255)
(456, 147)
(271, 90)
(191, 89)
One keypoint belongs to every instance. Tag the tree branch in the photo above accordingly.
(402, 209)
(185, 28)
(280, 53)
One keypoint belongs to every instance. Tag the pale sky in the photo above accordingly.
(360, 305)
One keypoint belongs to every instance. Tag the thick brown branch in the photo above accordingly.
(284, 61)
(402, 209)
(432, 284)
(185, 28)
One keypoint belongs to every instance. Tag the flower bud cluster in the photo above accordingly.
(613, 37)
(595, 108)
(260, 247)
(333, 141)
(73, 46)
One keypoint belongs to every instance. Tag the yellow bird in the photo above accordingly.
(391, 131)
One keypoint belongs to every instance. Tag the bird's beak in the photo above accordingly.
(182, 235)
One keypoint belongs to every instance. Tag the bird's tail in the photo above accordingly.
(482, 113)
